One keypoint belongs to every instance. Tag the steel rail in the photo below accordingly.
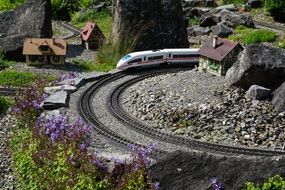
(116, 109)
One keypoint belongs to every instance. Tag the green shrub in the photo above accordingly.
(281, 43)
(9, 4)
(276, 8)
(273, 183)
(261, 35)
(250, 36)
(88, 66)
(233, 1)
(193, 21)
(5, 103)
(4, 63)
(15, 78)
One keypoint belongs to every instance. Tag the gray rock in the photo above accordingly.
(197, 31)
(159, 24)
(234, 20)
(52, 89)
(258, 64)
(230, 7)
(195, 11)
(77, 82)
(222, 30)
(32, 19)
(91, 76)
(278, 99)
(193, 171)
(258, 92)
(209, 20)
(55, 101)
(198, 3)
(255, 3)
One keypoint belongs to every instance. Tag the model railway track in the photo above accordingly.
(117, 110)
(74, 31)
(6, 91)
(88, 115)
(268, 25)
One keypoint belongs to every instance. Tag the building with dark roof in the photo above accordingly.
(92, 37)
(218, 55)
(45, 51)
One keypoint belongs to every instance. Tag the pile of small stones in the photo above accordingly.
(198, 105)
(6, 173)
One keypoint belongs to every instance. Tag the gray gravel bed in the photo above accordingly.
(101, 111)
(201, 106)
(6, 171)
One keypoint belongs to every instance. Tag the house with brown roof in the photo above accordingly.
(45, 51)
(92, 37)
(218, 55)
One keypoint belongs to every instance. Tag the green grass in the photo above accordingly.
(20, 79)
(88, 66)
(251, 36)
(233, 1)
(5, 63)
(103, 20)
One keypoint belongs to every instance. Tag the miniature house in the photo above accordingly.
(218, 55)
(44, 51)
(92, 37)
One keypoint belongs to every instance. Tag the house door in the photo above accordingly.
(48, 59)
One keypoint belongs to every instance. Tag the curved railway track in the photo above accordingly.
(74, 31)
(115, 108)
(7, 91)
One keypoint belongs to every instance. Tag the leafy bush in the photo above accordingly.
(5, 103)
(250, 36)
(233, 1)
(276, 8)
(4, 63)
(258, 36)
(281, 43)
(15, 78)
(9, 4)
(193, 21)
(276, 183)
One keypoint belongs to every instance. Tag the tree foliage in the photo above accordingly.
(276, 8)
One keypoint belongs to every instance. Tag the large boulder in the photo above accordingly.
(258, 64)
(197, 31)
(194, 171)
(278, 99)
(32, 19)
(258, 92)
(222, 30)
(233, 20)
(152, 24)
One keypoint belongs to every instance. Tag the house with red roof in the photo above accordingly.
(92, 37)
(45, 51)
(218, 55)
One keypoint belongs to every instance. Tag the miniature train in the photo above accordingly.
(158, 57)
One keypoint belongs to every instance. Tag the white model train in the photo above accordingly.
(157, 57)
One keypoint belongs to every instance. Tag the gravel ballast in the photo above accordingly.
(201, 106)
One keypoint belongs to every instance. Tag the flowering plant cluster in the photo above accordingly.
(27, 102)
(70, 75)
(53, 152)
(216, 184)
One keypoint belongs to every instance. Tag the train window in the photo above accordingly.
(144, 58)
(184, 55)
(156, 57)
(169, 55)
(126, 57)
(135, 61)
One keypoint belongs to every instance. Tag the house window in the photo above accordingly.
(33, 58)
(41, 58)
(56, 58)
(214, 66)
(44, 48)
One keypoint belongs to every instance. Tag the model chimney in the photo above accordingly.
(53, 40)
(215, 41)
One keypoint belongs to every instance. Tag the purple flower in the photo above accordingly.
(216, 185)
(156, 186)
(83, 146)
(99, 163)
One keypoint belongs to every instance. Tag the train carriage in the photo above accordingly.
(158, 57)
